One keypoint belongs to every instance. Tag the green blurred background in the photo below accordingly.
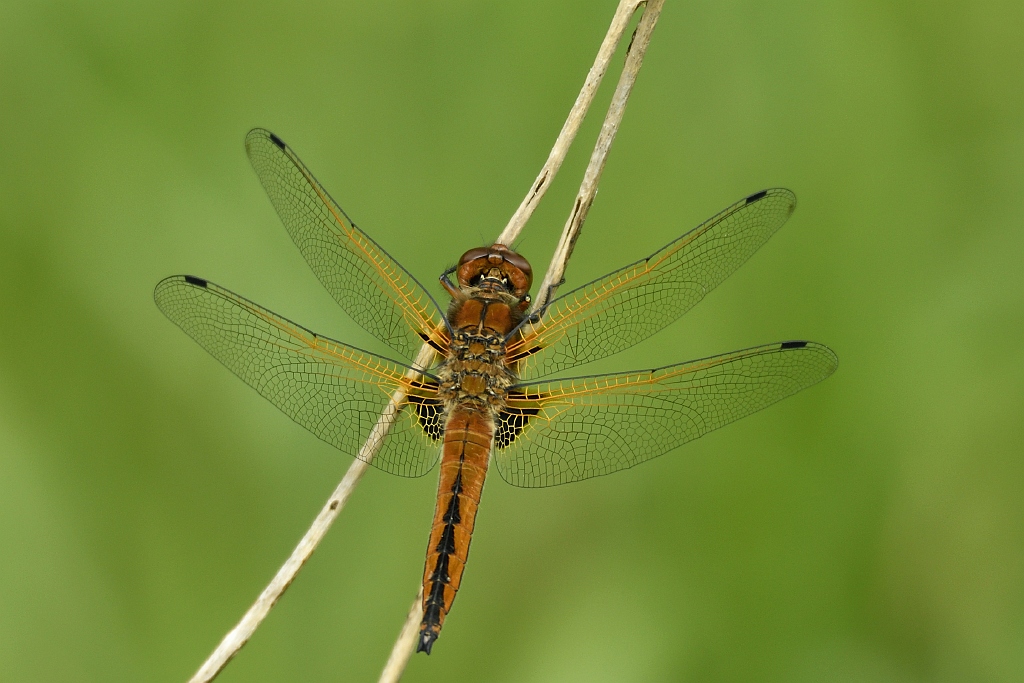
(869, 529)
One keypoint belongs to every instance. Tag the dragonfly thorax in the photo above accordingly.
(475, 374)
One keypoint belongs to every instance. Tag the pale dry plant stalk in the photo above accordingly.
(403, 648)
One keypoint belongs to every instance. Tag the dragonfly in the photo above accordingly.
(493, 391)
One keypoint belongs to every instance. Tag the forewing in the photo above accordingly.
(370, 286)
(574, 429)
(629, 305)
(335, 391)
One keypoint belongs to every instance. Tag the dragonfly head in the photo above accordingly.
(498, 267)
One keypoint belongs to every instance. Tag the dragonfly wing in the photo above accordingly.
(334, 390)
(627, 306)
(380, 295)
(584, 427)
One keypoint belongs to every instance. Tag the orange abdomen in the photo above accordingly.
(467, 447)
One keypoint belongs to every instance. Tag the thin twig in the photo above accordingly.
(588, 188)
(240, 634)
(402, 650)
(573, 122)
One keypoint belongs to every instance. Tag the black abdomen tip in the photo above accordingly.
(426, 641)
(757, 195)
(277, 141)
(197, 281)
(793, 345)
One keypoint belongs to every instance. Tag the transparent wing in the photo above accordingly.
(380, 295)
(629, 305)
(574, 429)
(335, 391)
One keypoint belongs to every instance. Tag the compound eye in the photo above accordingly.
(471, 265)
(474, 254)
(520, 263)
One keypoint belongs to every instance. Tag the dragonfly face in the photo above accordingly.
(496, 267)
(492, 395)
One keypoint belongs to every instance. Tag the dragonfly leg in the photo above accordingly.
(449, 287)
(535, 318)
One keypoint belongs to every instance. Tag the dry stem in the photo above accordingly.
(620, 22)
(240, 634)
(403, 647)
(588, 188)
(402, 650)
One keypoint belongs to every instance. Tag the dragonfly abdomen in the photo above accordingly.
(467, 446)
